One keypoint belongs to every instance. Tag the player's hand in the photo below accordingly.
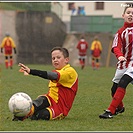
(15, 50)
(1, 50)
(122, 58)
(24, 68)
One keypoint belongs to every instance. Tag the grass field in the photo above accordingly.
(92, 98)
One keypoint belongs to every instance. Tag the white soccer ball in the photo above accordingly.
(20, 104)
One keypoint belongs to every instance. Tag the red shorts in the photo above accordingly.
(8, 52)
(55, 110)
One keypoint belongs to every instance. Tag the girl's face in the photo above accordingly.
(58, 59)
(128, 15)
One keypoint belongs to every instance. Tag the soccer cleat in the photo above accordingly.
(106, 115)
(33, 117)
(15, 118)
(117, 111)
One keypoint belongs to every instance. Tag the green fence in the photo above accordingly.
(117, 23)
(95, 24)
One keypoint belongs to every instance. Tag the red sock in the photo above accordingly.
(11, 62)
(117, 99)
(93, 64)
(121, 105)
(81, 62)
(6, 63)
(97, 65)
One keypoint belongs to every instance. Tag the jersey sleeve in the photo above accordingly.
(66, 77)
(92, 46)
(3, 43)
(78, 45)
(117, 46)
(100, 46)
(12, 43)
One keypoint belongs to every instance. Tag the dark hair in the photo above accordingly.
(129, 5)
(7, 34)
(63, 50)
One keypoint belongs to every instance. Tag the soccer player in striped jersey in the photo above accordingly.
(63, 87)
(123, 49)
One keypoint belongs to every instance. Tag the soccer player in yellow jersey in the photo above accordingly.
(96, 50)
(8, 45)
(63, 87)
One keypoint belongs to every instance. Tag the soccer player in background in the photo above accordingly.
(96, 50)
(123, 49)
(82, 47)
(63, 87)
(8, 44)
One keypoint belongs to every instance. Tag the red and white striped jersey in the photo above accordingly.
(123, 45)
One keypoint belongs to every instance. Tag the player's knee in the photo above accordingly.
(97, 60)
(40, 103)
(93, 58)
(125, 80)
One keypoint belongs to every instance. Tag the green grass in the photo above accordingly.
(92, 98)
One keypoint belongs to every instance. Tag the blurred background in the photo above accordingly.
(37, 27)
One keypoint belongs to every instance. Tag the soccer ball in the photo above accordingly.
(20, 104)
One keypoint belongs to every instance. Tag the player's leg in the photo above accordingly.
(39, 106)
(40, 103)
(120, 108)
(6, 61)
(114, 88)
(83, 63)
(43, 114)
(11, 61)
(41, 110)
(118, 96)
(52, 112)
(97, 63)
(120, 92)
(93, 62)
(80, 60)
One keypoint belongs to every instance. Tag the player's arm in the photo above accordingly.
(2, 45)
(116, 47)
(13, 45)
(92, 48)
(100, 45)
(43, 74)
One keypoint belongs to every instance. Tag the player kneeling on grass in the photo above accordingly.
(63, 87)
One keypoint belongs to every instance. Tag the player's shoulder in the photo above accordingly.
(121, 29)
(72, 70)
(68, 67)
